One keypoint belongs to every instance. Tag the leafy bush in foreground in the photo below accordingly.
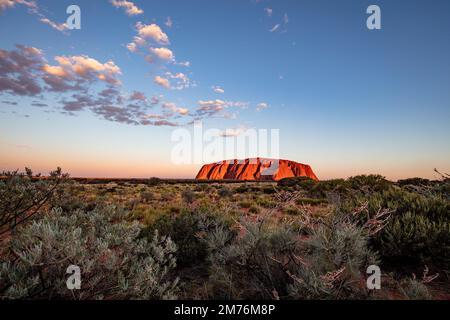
(114, 262)
(419, 228)
(186, 230)
(22, 195)
(272, 262)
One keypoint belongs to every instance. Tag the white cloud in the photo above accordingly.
(269, 11)
(183, 63)
(218, 89)
(173, 108)
(163, 82)
(132, 47)
(5, 4)
(71, 67)
(261, 106)
(163, 53)
(182, 81)
(130, 8)
(169, 22)
(33, 9)
(57, 26)
(152, 31)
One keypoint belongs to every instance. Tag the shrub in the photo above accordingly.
(253, 209)
(225, 192)
(188, 196)
(413, 182)
(322, 188)
(154, 181)
(185, 229)
(147, 196)
(23, 196)
(245, 204)
(291, 210)
(413, 289)
(419, 229)
(114, 262)
(305, 183)
(369, 183)
(271, 262)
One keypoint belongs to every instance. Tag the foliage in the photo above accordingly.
(188, 195)
(419, 230)
(22, 195)
(186, 229)
(271, 262)
(114, 262)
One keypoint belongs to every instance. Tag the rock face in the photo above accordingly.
(254, 169)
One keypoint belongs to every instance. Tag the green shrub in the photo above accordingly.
(24, 195)
(186, 230)
(271, 262)
(114, 262)
(413, 289)
(322, 188)
(419, 229)
(305, 183)
(369, 183)
(147, 196)
(245, 204)
(413, 182)
(188, 195)
(291, 210)
(225, 192)
(254, 209)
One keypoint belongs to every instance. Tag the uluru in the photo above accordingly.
(260, 169)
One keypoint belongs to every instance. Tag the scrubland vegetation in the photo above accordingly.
(292, 239)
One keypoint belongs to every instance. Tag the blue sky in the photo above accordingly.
(347, 100)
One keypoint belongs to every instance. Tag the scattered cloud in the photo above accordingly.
(163, 82)
(132, 47)
(8, 4)
(261, 106)
(218, 89)
(130, 8)
(163, 53)
(153, 32)
(217, 107)
(181, 80)
(57, 26)
(169, 22)
(268, 11)
(171, 108)
(138, 96)
(285, 18)
(183, 63)
(17, 69)
(75, 67)
(33, 9)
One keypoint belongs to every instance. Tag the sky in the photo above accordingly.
(105, 100)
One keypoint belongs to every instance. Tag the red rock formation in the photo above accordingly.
(254, 169)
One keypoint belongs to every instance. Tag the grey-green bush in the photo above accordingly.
(115, 263)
